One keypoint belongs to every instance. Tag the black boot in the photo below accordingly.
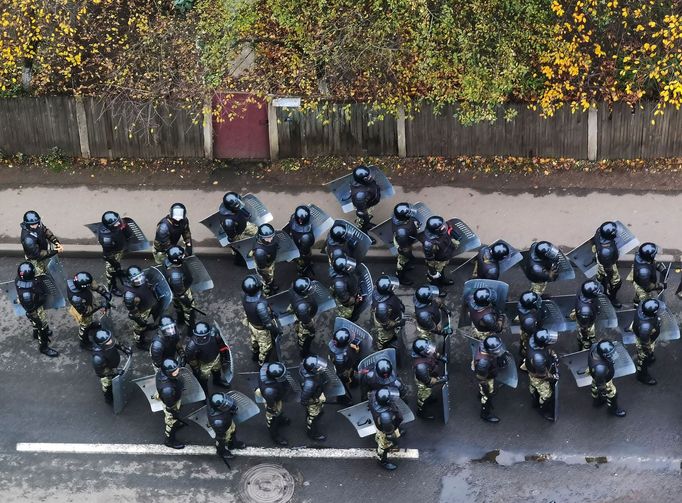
(547, 410)
(43, 347)
(643, 376)
(314, 433)
(403, 279)
(424, 413)
(203, 383)
(613, 296)
(535, 398)
(235, 444)
(113, 289)
(487, 413)
(173, 442)
(224, 453)
(305, 348)
(385, 463)
(238, 259)
(219, 380)
(109, 396)
(598, 401)
(614, 410)
(274, 432)
(85, 344)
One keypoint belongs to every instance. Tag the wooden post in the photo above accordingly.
(272, 130)
(82, 121)
(400, 125)
(592, 134)
(208, 128)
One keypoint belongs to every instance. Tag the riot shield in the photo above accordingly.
(384, 230)
(670, 330)
(468, 240)
(320, 221)
(369, 361)
(577, 363)
(138, 241)
(246, 409)
(259, 212)
(286, 252)
(359, 335)
(366, 286)
(499, 289)
(341, 188)
(55, 270)
(54, 299)
(584, 258)
(361, 418)
(445, 390)
(229, 371)
(607, 317)
(161, 287)
(94, 228)
(359, 239)
(334, 386)
(191, 393)
(121, 386)
(552, 317)
(201, 281)
(507, 375)
(278, 347)
(212, 222)
(556, 400)
(280, 302)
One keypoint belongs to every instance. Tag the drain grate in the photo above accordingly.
(267, 483)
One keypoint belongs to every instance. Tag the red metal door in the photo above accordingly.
(242, 131)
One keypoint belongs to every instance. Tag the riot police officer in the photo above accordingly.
(346, 289)
(529, 314)
(440, 245)
(542, 364)
(364, 194)
(32, 294)
(430, 313)
(166, 343)
(487, 264)
(646, 327)
(35, 239)
(169, 230)
(382, 375)
(140, 300)
(485, 318)
(586, 312)
(489, 358)
(644, 278)
(169, 386)
(272, 387)
(264, 254)
(600, 365)
(387, 312)
(208, 355)
(387, 420)
(427, 373)
(343, 351)
(180, 280)
(113, 236)
(300, 229)
(260, 319)
(405, 234)
(541, 265)
(106, 358)
(234, 219)
(304, 306)
(221, 411)
(338, 243)
(79, 292)
(313, 379)
(606, 253)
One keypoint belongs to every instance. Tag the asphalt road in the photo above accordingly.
(46, 400)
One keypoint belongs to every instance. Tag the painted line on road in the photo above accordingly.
(203, 450)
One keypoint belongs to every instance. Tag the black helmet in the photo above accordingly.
(608, 230)
(499, 250)
(648, 251)
(177, 212)
(590, 289)
(383, 396)
(547, 250)
(82, 280)
(31, 217)
(251, 285)
(403, 211)
(435, 224)
(544, 337)
(169, 366)
(276, 371)
(384, 367)
(651, 307)
(136, 275)
(530, 300)
(493, 345)
(314, 363)
(385, 285)
(110, 219)
(607, 350)
(483, 296)
(362, 174)
(302, 215)
(302, 286)
(175, 254)
(266, 231)
(232, 201)
(344, 264)
(26, 271)
(423, 347)
(341, 337)
(223, 402)
(539, 361)
(338, 233)
(201, 330)
(424, 294)
(101, 337)
(167, 326)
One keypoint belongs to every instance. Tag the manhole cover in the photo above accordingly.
(267, 483)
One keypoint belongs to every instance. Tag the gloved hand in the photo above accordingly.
(107, 295)
(188, 250)
(447, 330)
(120, 372)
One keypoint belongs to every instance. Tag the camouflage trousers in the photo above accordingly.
(586, 336)
(183, 307)
(423, 393)
(250, 230)
(645, 350)
(435, 268)
(40, 265)
(38, 319)
(261, 342)
(384, 336)
(524, 337)
(227, 437)
(303, 263)
(203, 370)
(169, 414)
(345, 311)
(538, 288)
(106, 381)
(159, 256)
(477, 334)
(403, 258)
(425, 334)
(609, 391)
(540, 387)
(313, 409)
(272, 413)
(641, 294)
(363, 223)
(112, 265)
(140, 329)
(611, 274)
(83, 323)
(385, 442)
(267, 275)
(486, 388)
(303, 333)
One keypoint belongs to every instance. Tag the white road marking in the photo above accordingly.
(204, 450)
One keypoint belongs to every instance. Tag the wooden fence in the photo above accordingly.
(85, 127)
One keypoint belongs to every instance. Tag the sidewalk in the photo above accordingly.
(520, 218)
